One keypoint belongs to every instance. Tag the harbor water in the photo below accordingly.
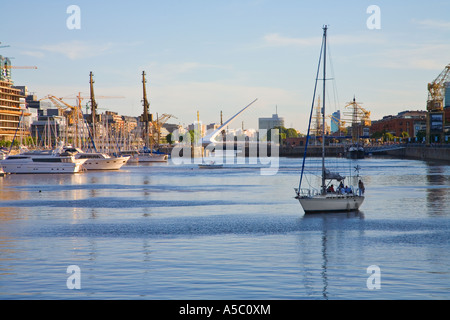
(166, 231)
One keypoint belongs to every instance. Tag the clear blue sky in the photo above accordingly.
(211, 55)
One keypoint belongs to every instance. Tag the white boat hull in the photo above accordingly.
(25, 167)
(113, 163)
(331, 203)
(97, 160)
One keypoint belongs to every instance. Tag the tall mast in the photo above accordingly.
(93, 109)
(145, 114)
(93, 103)
(323, 107)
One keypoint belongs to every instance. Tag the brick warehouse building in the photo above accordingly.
(406, 121)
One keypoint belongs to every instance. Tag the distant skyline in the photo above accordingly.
(212, 56)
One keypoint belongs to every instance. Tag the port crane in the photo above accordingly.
(63, 106)
(160, 121)
(72, 114)
(146, 117)
(5, 68)
(80, 98)
(436, 91)
(19, 67)
(435, 104)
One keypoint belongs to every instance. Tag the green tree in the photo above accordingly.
(377, 135)
(195, 136)
(291, 133)
(169, 138)
(283, 133)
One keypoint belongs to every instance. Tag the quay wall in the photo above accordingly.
(423, 152)
(313, 151)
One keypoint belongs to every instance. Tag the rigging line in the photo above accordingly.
(91, 137)
(15, 133)
(335, 91)
(310, 116)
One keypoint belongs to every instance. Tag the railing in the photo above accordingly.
(315, 192)
(307, 192)
(383, 148)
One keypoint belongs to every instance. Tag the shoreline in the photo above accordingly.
(408, 151)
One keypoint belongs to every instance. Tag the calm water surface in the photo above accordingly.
(178, 232)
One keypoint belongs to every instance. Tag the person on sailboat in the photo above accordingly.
(330, 189)
(361, 188)
(341, 189)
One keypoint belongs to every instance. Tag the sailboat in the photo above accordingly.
(322, 199)
(147, 154)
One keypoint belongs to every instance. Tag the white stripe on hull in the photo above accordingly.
(42, 168)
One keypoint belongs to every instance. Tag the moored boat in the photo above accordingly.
(97, 160)
(151, 157)
(210, 165)
(355, 151)
(41, 163)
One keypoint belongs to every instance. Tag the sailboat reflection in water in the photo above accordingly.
(326, 199)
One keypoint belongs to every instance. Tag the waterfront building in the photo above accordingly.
(406, 121)
(12, 109)
(335, 121)
(270, 123)
(5, 69)
(130, 123)
(295, 142)
(49, 127)
(172, 127)
(447, 115)
(114, 120)
(447, 95)
(212, 126)
(199, 127)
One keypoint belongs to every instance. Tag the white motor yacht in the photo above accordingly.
(97, 160)
(41, 163)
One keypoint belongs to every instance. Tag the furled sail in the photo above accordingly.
(333, 175)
